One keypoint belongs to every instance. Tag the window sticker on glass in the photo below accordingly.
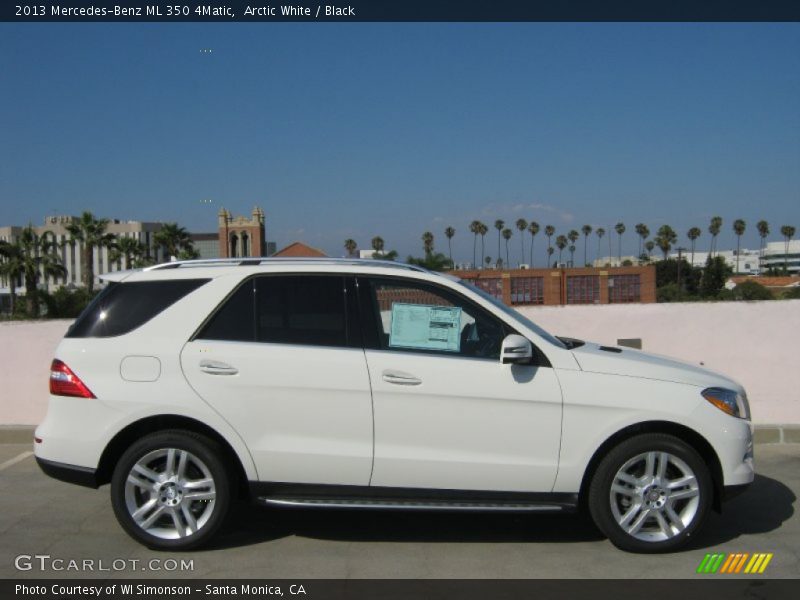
(425, 327)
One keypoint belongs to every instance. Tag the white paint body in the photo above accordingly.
(348, 415)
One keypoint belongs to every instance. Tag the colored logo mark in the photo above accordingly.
(739, 562)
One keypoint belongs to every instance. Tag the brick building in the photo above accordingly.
(242, 236)
(566, 286)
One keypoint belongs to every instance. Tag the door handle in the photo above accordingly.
(400, 378)
(213, 367)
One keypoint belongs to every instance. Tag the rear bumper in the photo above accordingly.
(70, 473)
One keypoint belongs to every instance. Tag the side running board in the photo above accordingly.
(426, 505)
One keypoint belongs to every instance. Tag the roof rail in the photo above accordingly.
(255, 261)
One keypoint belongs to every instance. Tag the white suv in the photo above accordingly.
(375, 385)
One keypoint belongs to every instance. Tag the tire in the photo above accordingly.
(171, 491)
(644, 507)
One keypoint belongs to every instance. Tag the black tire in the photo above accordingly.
(202, 462)
(661, 530)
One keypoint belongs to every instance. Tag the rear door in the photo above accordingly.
(282, 361)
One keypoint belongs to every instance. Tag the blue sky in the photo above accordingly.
(355, 130)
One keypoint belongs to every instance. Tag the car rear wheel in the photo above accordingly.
(651, 493)
(170, 490)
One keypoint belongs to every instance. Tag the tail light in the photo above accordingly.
(63, 382)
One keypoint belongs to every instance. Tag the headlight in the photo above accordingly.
(728, 401)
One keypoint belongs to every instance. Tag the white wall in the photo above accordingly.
(754, 342)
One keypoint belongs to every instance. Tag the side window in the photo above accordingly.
(306, 310)
(413, 316)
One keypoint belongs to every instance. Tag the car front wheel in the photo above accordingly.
(651, 493)
(170, 490)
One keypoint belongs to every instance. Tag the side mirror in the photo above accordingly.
(516, 350)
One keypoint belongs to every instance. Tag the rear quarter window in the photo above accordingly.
(122, 307)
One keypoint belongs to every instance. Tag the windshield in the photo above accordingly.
(513, 313)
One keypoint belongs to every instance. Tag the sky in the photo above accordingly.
(355, 130)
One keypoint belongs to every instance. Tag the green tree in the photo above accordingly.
(435, 261)
(499, 224)
(12, 267)
(475, 229)
(549, 255)
(449, 232)
(649, 246)
(34, 257)
(483, 229)
(715, 274)
(752, 290)
(91, 233)
(739, 227)
(665, 237)
(693, 234)
(620, 229)
(507, 233)
(427, 243)
(586, 230)
(350, 246)
(573, 237)
(787, 231)
(549, 231)
(127, 250)
(176, 241)
(643, 232)
(600, 233)
(561, 243)
(533, 229)
(377, 247)
(522, 225)
(714, 228)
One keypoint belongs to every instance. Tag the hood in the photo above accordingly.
(613, 360)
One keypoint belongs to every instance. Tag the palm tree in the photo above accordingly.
(507, 233)
(350, 245)
(549, 231)
(600, 233)
(449, 233)
(572, 254)
(665, 237)
(787, 231)
(561, 243)
(522, 225)
(763, 232)
(649, 245)
(499, 224)
(128, 248)
(586, 230)
(427, 243)
(533, 229)
(573, 236)
(738, 228)
(12, 268)
(175, 240)
(475, 229)
(377, 246)
(549, 255)
(643, 232)
(36, 256)
(483, 229)
(693, 234)
(91, 232)
(714, 229)
(620, 229)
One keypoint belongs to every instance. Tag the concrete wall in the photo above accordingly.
(755, 342)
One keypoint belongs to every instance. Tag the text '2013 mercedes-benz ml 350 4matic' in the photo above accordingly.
(374, 385)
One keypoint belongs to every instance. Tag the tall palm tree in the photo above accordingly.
(377, 244)
(693, 234)
(550, 252)
(665, 237)
(561, 243)
(738, 228)
(483, 229)
(643, 232)
(427, 243)
(620, 229)
(37, 257)
(12, 267)
(522, 225)
(533, 229)
(127, 250)
(600, 233)
(549, 231)
(572, 254)
(714, 228)
(350, 245)
(91, 232)
(449, 232)
(763, 232)
(573, 237)
(499, 224)
(649, 245)
(175, 239)
(507, 233)
(787, 231)
(475, 229)
(587, 231)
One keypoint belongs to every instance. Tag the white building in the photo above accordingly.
(775, 255)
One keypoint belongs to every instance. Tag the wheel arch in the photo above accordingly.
(153, 424)
(700, 444)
